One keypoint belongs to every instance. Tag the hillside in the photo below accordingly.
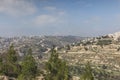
(39, 44)
(102, 52)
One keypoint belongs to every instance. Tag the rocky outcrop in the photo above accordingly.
(115, 36)
(3, 78)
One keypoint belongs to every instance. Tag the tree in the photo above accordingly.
(87, 74)
(56, 68)
(29, 67)
(10, 66)
(1, 66)
(12, 55)
(68, 47)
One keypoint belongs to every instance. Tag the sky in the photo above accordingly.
(59, 17)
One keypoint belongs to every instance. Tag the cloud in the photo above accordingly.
(61, 13)
(52, 19)
(95, 20)
(84, 3)
(45, 20)
(17, 7)
(50, 8)
(55, 10)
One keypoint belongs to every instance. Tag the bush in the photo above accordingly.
(104, 42)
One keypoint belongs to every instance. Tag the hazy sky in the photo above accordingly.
(59, 17)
